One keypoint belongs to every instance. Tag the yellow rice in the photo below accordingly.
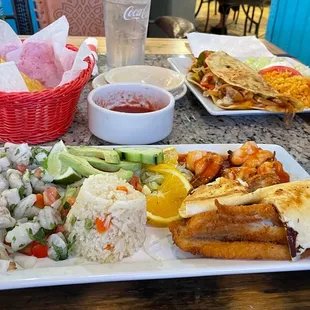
(296, 86)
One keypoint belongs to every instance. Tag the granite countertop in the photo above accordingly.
(193, 124)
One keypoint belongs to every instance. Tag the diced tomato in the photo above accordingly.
(38, 173)
(39, 250)
(135, 182)
(292, 71)
(207, 81)
(21, 168)
(122, 188)
(28, 249)
(50, 195)
(71, 201)
(59, 228)
(102, 226)
(39, 201)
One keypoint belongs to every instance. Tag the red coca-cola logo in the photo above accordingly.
(133, 12)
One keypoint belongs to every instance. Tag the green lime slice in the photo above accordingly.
(62, 173)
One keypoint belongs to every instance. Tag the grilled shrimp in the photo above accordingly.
(239, 156)
(250, 155)
(274, 167)
(205, 165)
(258, 158)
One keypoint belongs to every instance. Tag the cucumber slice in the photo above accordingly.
(147, 155)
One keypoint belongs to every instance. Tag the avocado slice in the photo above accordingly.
(110, 156)
(144, 155)
(104, 166)
(81, 166)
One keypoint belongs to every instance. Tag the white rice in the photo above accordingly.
(126, 213)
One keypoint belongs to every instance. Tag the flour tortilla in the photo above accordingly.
(236, 73)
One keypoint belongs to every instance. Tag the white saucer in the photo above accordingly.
(180, 92)
(158, 76)
(177, 93)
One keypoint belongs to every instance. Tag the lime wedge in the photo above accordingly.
(62, 173)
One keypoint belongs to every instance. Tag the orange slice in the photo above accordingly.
(163, 205)
(171, 156)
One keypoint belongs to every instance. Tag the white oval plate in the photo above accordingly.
(157, 76)
(160, 261)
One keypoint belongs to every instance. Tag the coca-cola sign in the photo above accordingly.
(133, 12)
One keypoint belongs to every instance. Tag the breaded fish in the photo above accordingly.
(273, 217)
(227, 250)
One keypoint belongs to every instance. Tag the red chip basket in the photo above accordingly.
(38, 117)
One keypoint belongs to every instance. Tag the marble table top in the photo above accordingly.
(193, 124)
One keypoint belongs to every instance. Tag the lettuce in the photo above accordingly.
(262, 62)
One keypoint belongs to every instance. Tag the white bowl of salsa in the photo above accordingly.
(130, 113)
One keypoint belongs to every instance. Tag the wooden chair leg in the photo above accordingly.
(251, 23)
(199, 8)
(215, 7)
(258, 23)
(246, 21)
(236, 21)
(208, 16)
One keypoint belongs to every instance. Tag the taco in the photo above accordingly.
(233, 85)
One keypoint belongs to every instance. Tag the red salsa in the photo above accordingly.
(133, 109)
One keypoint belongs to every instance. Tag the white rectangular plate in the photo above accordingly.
(181, 65)
(166, 260)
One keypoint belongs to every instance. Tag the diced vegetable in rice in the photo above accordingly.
(107, 221)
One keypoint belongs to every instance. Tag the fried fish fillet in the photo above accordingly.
(226, 249)
(286, 203)
(231, 232)
(261, 211)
